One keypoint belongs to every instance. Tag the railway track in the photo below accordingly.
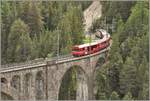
(44, 62)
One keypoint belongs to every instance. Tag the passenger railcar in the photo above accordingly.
(93, 47)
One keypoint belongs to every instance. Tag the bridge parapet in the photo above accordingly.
(35, 61)
(43, 62)
(27, 63)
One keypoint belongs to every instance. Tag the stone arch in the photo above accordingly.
(39, 86)
(4, 80)
(15, 82)
(81, 79)
(28, 85)
(11, 92)
(5, 96)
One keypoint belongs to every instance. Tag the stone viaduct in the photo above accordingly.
(42, 80)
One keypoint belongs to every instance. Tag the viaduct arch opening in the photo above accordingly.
(28, 85)
(5, 96)
(4, 80)
(74, 85)
(39, 85)
(15, 82)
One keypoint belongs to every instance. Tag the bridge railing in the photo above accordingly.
(41, 61)
(36, 61)
(60, 57)
(27, 63)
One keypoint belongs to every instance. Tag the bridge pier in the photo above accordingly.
(82, 87)
(91, 87)
(22, 87)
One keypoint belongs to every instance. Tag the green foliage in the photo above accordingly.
(52, 13)
(128, 76)
(101, 96)
(45, 44)
(127, 72)
(31, 15)
(46, 22)
(71, 28)
(8, 15)
(137, 22)
(114, 96)
(128, 96)
(142, 78)
(87, 40)
(19, 42)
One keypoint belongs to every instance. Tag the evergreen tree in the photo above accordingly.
(116, 61)
(31, 15)
(136, 22)
(128, 76)
(52, 13)
(19, 42)
(142, 79)
(45, 44)
(71, 28)
(7, 18)
(100, 85)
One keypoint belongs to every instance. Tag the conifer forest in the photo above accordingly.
(30, 30)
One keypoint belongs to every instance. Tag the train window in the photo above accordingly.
(81, 49)
(94, 46)
(76, 49)
(86, 48)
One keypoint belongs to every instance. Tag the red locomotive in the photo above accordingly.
(90, 48)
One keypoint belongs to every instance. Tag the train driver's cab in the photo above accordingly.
(99, 34)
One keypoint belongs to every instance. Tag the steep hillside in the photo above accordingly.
(93, 12)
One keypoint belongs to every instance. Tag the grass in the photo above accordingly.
(87, 40)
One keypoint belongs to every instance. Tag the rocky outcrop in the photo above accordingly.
(94, 11)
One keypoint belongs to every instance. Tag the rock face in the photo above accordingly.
(94, 11)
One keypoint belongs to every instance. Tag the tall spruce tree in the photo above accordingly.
(7, 18)
(31, 15)
(71, 28)
(19, 42)
(128, 76)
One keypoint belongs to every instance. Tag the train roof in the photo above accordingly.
(105, 34)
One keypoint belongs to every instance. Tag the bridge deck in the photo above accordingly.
(55, 60)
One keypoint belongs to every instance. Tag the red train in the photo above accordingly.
(90, 48)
